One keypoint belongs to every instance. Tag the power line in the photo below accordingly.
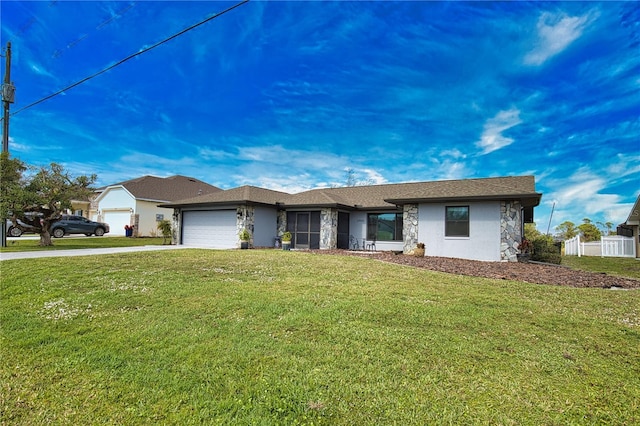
(120, 62)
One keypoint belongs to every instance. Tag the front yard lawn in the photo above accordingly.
(281, 338)
(620, 266)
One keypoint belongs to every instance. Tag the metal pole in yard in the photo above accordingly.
(8, 92)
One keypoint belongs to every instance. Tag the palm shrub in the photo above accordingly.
(164, 226)
(544, 250)
(244, 235)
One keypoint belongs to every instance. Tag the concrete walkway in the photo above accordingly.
(83, 252)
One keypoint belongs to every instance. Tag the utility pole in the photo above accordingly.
(551, 216)
(8, 94)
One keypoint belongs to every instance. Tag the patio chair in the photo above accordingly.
(371, 245)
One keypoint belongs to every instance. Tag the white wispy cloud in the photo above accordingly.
(555, 32)
(374, 177)
(624, 165)
(15, 146)
(492, 138)
(278, 155)
(581, 194)
(39, 69)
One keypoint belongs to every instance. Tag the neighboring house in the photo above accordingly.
(135, 202)
(80, 208)
(631, 228)
(472, 218)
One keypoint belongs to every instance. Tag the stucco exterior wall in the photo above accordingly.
(116, 207)
(265, 226)
(358, 225)
(116, 198)
(146, 212)
(483, 242)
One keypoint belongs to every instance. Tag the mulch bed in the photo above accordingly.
(518, 271)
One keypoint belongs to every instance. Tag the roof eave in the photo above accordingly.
(218, 204)
(528, 200)
(339, 206)
(285, 206)
(151, 200)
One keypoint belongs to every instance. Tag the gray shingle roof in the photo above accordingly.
(241, 195)
(379, 196)
(166, 189)
(514, 187)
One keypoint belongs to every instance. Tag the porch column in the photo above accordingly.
(510, 229)
(245, 220)
(282, 222)
(176, 226)
(409, 227)
(328, 229)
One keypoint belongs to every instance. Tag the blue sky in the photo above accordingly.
(290, 95)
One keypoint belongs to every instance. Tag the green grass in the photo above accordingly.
(68, 243)
(621, 266)
(266, 337)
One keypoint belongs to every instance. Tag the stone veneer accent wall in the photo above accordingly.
(282, 222)
(176, 225)
(245, 219)
(135, 221)
(510, 229)
(410, 227)
(328, 228)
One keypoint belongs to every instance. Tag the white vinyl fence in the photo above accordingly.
(572, 246)
(618, 246)
(613, 246)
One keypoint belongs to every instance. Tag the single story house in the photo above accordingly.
(135, 202)
(480, 219)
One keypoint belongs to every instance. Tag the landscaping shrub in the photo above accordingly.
(544, 250)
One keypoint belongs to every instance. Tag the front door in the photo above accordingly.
(343, 230)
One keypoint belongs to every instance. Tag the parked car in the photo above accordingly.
(70, 224)
(13, 231)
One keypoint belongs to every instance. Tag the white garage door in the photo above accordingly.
(116, 221)
(216, 229)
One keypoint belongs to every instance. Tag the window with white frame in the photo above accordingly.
(384, 226)
(456, 221)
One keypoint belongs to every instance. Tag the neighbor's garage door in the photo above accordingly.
(216, 229)
(116, 221)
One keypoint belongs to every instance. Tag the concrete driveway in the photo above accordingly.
(82, 252)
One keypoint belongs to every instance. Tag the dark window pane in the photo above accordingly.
(302, 239)
(315, 241)
(302, 222)
(372, 226)
(343, 223)
(291, 222)
(384, 226)
(399, 226)
(457, 221)
(458, 213)
(315, 222)
(457, 229)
